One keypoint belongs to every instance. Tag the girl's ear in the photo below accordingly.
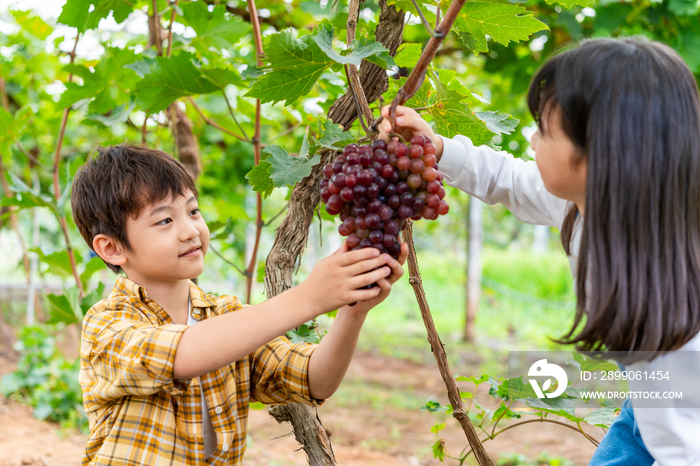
(108, 250)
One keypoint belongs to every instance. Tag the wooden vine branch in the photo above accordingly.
(292, 234)
(259, 224)
(57, 185)
(351, 70)
(458, 411)
(417, 76)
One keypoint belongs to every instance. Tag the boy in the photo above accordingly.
(168, 371)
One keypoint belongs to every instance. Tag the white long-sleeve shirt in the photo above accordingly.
(671, 435)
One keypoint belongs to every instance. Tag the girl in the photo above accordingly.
(617, 169)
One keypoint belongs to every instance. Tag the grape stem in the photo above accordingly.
(438, 349)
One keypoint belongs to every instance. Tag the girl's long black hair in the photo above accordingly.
(632, 109)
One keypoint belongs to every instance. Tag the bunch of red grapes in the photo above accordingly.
(376, 187)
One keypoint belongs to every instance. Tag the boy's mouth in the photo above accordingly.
(193, 251)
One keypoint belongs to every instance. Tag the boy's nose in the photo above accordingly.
(188, 232)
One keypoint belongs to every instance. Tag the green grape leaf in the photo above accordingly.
(287, 170)
(58, 262)
(33, 24)
(332, 136)
(439, 449)
(118, 114)
(363, 48)
(408, 55)
(499, 123)
(76, 13)
(259, 178)
(13, 126)
(587, 364)
(602, 417)
(109, 85)
(142, 67)
(564, 407)
(568, 4)
(684, 7)
(93, 297)
(295, 66)
(502, 22)
(173, 77)
(511, 389)
(214, 28)
(304, 333)
(452, 117)
(93, 266)
(65, 308)
(437, 428)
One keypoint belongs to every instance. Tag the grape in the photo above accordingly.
(372, 220)
(373, 190)
(401, 150)
(417, 166)
(350, 148)
(405, 211)
(418, 140)
(442, 208)
(385, 212)
(433, 187)
(353, 158)
(387, 171)
(381, 157)
(353, 241)
(377, 187)
(328, 171)
(432, 200)
(414, 181)
(375, 236)
(415, 152)
(365, 178)
(379, 144)
(351, 181)
(346, 194)
(374, 205)
(394, 201)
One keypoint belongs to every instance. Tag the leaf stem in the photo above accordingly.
(170, 27)
(213, 249)
(259, 224)
(213, 123)
(233, 115)
(57, 186)
(267, 224)
(425, 22)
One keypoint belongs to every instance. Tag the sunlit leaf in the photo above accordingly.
(214, 28)
(501, 22)
(295, 66)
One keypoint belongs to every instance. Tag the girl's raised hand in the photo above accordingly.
(408, 124)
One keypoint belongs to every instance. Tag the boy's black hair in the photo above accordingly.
(118, 182)
(632, 108)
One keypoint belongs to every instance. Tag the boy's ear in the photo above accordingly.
(108, 250)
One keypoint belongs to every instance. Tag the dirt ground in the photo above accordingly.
(374, 419)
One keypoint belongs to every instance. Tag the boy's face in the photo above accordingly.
(168, 241)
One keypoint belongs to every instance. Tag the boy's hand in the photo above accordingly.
(338, 279)
(362, 307)
(408, 124)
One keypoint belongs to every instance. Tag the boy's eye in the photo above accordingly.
(165, 221)
(194, 211)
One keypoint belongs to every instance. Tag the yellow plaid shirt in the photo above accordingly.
(140, 415)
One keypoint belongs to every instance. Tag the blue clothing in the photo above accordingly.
(622, 445)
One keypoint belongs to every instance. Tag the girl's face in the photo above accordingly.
(563, 170)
